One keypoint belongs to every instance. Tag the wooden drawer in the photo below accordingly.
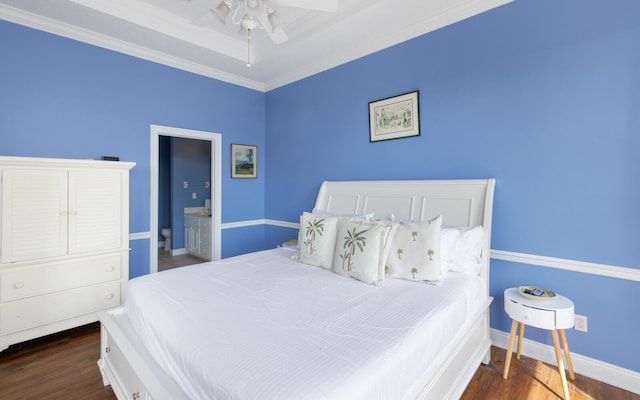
(24, 282)
(128, 385)
(532, 316)
(37, 311)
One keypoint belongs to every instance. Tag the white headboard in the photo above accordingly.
(460, 202)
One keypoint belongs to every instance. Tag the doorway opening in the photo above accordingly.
(215, 140)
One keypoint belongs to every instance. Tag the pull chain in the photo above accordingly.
(249, 48)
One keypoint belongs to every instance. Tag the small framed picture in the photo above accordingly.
(244, 161)
(395, 117)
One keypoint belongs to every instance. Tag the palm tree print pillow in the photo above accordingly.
(360, 249)
(317, 239)
(415, 251)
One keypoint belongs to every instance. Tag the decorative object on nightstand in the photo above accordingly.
(540, 308)
(289, 243)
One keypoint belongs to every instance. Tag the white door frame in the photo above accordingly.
(216, 186)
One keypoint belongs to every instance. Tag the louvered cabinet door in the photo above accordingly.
(34, 214)
(96, 207)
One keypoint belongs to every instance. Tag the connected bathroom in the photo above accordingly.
(184, 197)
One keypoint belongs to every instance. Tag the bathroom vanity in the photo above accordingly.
(197, 234)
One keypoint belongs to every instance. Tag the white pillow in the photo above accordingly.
(317, 239)
(361, 249)
(415, 251)
(449, 238)
(468, 254)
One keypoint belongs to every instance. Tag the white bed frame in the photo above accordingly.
(130, 370)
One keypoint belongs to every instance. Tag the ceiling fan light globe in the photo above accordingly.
(222, 11)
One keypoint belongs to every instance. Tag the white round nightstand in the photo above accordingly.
(555, 313)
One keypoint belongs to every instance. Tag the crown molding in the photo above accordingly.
(368, 43)
(58, 28)
(156, 19)
(372, 43)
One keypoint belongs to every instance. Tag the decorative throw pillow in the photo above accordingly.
(317, 239)
(415, 251)
(460, 247)
(361, 249)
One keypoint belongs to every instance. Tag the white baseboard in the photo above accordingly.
(599, 370)
(179, 252)
(174, 252)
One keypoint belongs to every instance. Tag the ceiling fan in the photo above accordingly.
(259, 14)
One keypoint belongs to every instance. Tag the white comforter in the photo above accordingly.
(263, 326)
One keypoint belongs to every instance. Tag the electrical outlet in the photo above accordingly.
(580, 323)
(193, 196)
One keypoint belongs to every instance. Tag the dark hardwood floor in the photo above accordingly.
(59, 366)
(63, 366)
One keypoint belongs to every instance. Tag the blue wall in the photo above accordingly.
(544, 96)
(62, 98)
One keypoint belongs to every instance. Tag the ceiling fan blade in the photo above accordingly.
(278, 35)
(320, 5)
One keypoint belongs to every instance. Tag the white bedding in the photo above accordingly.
(263, 326)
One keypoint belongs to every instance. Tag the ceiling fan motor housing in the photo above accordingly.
(249, 23)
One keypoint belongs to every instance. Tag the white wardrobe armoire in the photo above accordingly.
(64, 243)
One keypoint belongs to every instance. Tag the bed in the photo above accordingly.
(267, 326)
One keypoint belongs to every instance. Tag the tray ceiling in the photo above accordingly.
(163, 31)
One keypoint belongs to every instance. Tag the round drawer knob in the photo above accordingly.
(109, 296)
(18, 285)
(109, 268)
